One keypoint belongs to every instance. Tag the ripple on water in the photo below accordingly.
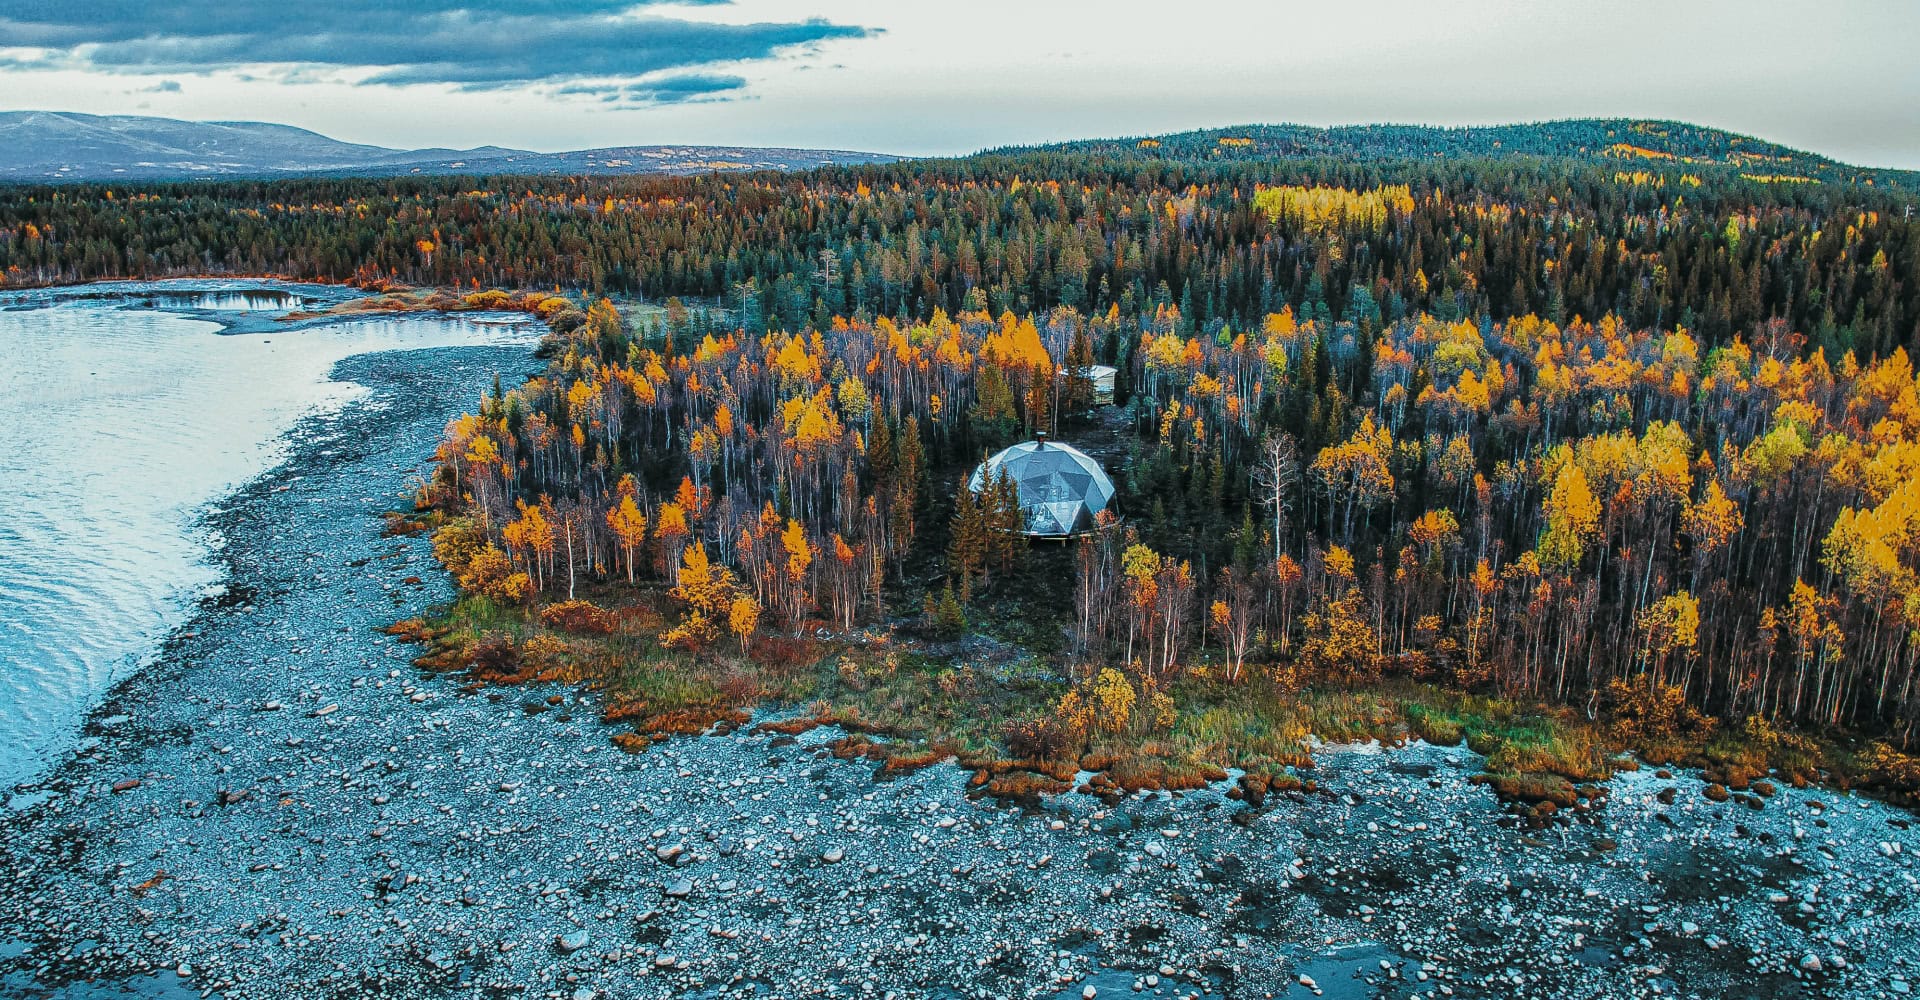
(125, 423)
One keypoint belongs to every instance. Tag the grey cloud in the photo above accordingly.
(471, 44)
(686, 88)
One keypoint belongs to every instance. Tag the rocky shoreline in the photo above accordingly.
(284, 806)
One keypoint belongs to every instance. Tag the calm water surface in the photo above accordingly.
(122, 422)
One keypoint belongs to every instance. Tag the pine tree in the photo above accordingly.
(906, 492)
(993, 414)
(967, 545)
(1079, 373)
(946, 618)
(1007, 520)
(881, 460)
(911, 462)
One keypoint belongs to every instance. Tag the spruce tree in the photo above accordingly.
(910, 463)
(1009, 521)
(881, 460)
(949, 618)
(967, 542)
(1079, 375)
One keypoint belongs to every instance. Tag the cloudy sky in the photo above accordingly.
(1841, 77)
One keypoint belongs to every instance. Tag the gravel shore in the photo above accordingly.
(284, 807)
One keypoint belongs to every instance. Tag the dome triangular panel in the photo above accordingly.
(1061, 488)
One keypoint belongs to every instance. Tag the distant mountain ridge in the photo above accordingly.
(51, 146)
(63, 146)
(1631, 143)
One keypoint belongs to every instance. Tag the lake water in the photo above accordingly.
(125, 417)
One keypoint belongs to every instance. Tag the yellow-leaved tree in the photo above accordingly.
(630, 526)
(1111, 699)
(1573, 521)
(743, 616)
(707, 589)
(1671, 625)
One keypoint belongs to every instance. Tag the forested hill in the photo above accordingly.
(1630, 143)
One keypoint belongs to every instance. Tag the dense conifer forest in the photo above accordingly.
(1635, 432)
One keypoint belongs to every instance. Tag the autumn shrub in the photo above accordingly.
(566, 320)
(900, 760)
(1733, 760)
(632, 742)
(583, 617)
(783, 652)
(858, 674)
(492, 298)
(478, 565)
(1791, 752)
(789, 727)
(707, 593)
(1340, 637)
(1022, 786)
(547, 657)
(1138, 771)
(1414, 663)
(1530, 788)
(1642, 709)
(494, 656)
(547, 306)
(1035, 739)
(456, 543)
(1889, 770)
(410, 630)
(1252, 788)
(1284, 676)
(1110, 700)
(855, 746)
(620, 709)
(442, 655)
(689, 721)
(738, 687)
(1159, 709)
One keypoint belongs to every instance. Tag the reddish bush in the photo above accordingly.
(495, 657)
(1644, 709)
(781, 652)
(632, 742)
(738, 688)
(788, 727)
(583, 617)
(1023, 786)
(409, 630)
(1034, 739)
(907, 761)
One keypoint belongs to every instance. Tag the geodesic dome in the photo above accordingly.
(1061, 489)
